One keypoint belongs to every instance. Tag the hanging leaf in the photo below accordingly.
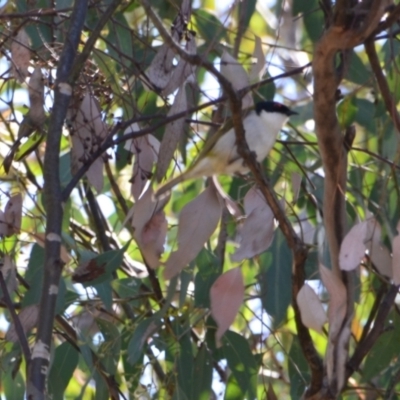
(257, 69)
(226, 295)
(236, 74)
(28, 317)
(197, 221)
(88, 133)
(20, 55)
(257, 232)
(312, 313)
(172, 135)
(9, 271)
(13, 214)
(396, 257)
(150, 227)
(352, 249)
(378, 253)
(36, 99)
(146, 149)
(184, 70)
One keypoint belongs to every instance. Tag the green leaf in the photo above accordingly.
(14, 388)
(276, 278)
(104, 291)
(209, 26)
(246, 11)
(184, 358)
(299, 373)
(63, 365)
(110, 349)
(241, 362)
(202, 374)
(312, 15)
(65, 169)
(385, 349)
(357, 71)
(347, 111)
(233, 391)
(138, 341)
(209, 271)
(120, 45)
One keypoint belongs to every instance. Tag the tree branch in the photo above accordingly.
(382, 83)
(36, 387)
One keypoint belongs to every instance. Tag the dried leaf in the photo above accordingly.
(258, 229)
(88, 271)
(161, 68)
(197, 221)
(336, 313)
(257, 69)
(296, 183)
(172, 135)
(150, 227)
(231, 205)
(3, 225)
(235, 73)
(396, 257)
(183, 70)
(352, 249)
(9, 271)
(89, 131)
(36, 98)
(378, 253)
(311, 310)
(153, 239)
(28, 318)
(13, 214)
(146, 149)
(20, 55)
(338, 298)
(226, 297)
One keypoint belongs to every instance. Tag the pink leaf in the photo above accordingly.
(36, 98)
(378, 253)
(236, 74)
(153, 238)
(146, 149)
(226, 295)
(20, 55)
(183, 70)
(150, 227)
(296, 183)
(28, 317)
(9, 271)
(352, 249)
(311, 310)
(197, 221)
(396, 257)
(338, 298)
(336, 313)
(257, 69)
(3, 225)
(258, 229)
(13, 214)
(172, 135)
(89, 131)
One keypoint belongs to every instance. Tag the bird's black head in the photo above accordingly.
(273, 107)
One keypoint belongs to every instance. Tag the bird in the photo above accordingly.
(219, 155)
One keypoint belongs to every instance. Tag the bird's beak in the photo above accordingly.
(293, 113)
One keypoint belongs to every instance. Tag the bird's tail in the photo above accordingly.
(167, 186)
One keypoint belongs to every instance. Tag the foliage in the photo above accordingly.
(112, 293)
